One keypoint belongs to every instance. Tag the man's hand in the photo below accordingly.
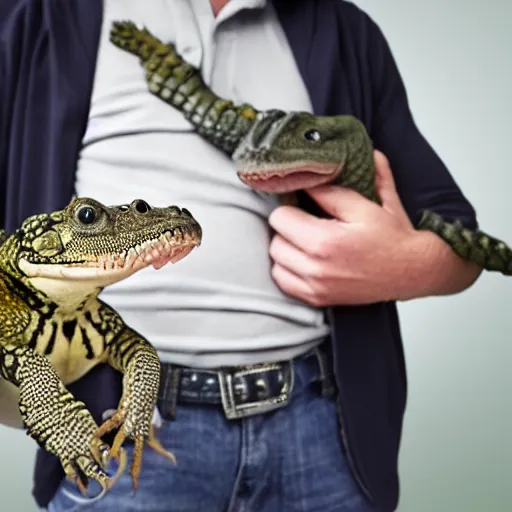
(366, 253)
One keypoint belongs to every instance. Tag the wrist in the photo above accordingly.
(432, 268)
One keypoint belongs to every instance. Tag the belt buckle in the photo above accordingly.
(231, 382)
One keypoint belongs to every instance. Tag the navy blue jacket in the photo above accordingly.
(47, 61)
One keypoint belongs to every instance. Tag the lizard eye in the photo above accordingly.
(86, 215)
(141, 206)
(313, 136)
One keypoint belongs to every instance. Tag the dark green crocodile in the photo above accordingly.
(54, 329)
(282, 152)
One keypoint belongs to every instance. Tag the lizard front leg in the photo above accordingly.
(133, 356)
(52, 417)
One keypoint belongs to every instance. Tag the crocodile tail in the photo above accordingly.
(475, 246)
(180, 85)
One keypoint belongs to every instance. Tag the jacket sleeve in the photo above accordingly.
(10, 13)
(9, 413)
(2, 149)
(422, 179)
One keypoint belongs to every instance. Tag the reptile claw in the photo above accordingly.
(122, 462)
(154, 443)
(117, 452)
(83, 488)
(106, 482)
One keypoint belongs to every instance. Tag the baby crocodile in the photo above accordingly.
(283, 152)
(54, 329)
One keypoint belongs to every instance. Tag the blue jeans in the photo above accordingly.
(288, 460)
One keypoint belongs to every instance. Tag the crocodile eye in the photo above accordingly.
(86, 215)
(141, 206)
(313, 136)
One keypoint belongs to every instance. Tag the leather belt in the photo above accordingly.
(241, 391)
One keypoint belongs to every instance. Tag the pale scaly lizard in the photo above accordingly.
(283, 152)
(54, 329)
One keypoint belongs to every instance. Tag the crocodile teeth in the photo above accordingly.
(130, 258)
(171, 246)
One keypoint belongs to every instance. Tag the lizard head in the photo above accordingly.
(288, 152)
(87, 241)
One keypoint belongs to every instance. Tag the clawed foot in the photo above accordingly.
(91, 466)
(127, 429)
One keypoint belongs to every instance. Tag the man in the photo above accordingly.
(76, 116)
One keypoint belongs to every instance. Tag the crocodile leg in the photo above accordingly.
(133, 356)
(52, 416)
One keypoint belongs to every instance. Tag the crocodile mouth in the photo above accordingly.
(279, 179)
(157, 252)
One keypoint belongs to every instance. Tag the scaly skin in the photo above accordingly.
(54, 329)
(280, 152)
(269, 154)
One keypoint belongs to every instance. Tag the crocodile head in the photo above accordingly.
(286, 152)
(87, 241)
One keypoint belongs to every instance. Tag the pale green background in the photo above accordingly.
(455, 56)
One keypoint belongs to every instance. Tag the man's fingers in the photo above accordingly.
(298, 227)
(341, 203)
(291, 284)
(288, 256)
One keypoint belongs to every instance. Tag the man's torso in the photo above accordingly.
(221, 305)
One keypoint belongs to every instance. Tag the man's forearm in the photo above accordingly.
(432, 268)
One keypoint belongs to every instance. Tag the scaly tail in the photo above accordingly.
(180, 85)
(475, 246)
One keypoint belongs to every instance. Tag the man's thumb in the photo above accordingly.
(386, 188)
